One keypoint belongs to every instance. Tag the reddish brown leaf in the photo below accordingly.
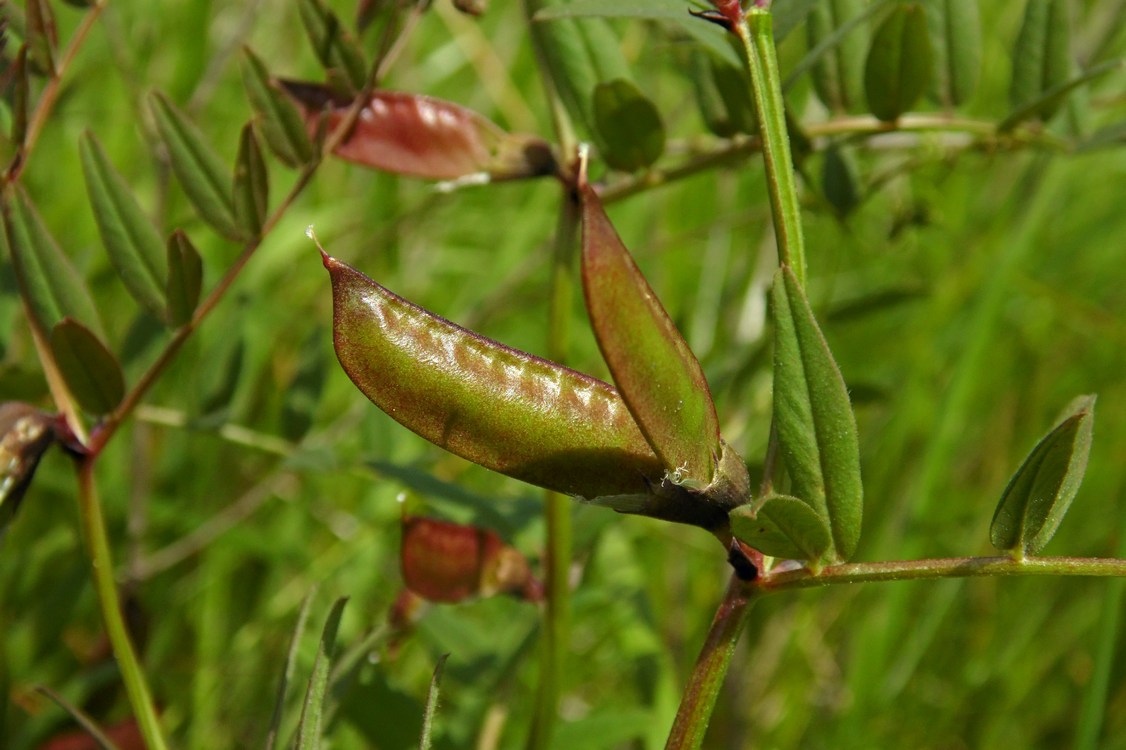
(420, 136)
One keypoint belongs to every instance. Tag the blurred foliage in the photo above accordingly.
(969, 290)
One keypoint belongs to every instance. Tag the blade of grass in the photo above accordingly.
(309, 729)
(431, 705)
(290, 667)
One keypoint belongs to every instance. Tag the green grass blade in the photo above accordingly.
(431, 705)
(290, 667)
(309, 729)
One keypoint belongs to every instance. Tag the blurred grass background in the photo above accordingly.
(968, 298)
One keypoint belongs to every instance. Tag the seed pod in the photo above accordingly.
(450, 562)
(421, 136)
(503, 409)
(25, 435)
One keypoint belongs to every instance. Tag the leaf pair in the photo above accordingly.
(818, 443)
(594, 83)
(652, 447)
(61, 309)
(1040, 493)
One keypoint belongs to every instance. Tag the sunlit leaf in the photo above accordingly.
(783, 526)
(898, 68)
(1040, 493)
(424, 137)
(205, 180)
(660, 379)
(53, 288)
(816, 428)
(1041, 59)
(282, 126)
(955, 34)
(90, 370)
(134, 246)
(630, 127)
(333, 45)
(251, 187)
(185, 278)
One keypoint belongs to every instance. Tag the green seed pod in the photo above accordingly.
(500, 408)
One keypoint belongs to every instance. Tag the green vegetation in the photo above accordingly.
(953, 249)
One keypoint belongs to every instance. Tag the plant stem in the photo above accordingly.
(948, 567)
(97, 543)
(558, 508)
(702, 690)
(756, 34)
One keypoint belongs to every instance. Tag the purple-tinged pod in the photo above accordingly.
(495, 406)
(420, 136)
(659, 377)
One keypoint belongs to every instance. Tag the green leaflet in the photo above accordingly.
(838, 74)
(955, 34)
(312, 710)
(90, 370)
(723, 95)
(185, 278)
(816, 428)
(333, 45)
(580, 53)
(251, 187)
(659, 378)
(1041, 491)
(281, 125)
(134, 246)
(48, 280)
(899, 63)
(838, 181)
(783, 526)
(42, 37)
(629, 125)
(18, 74)
(202, 175)
(1050, 100)
(1041, 60)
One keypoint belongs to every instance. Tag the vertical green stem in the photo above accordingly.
(97, 543)
(702, 690)
(755, 32)
(558, 507)
(756, 35)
